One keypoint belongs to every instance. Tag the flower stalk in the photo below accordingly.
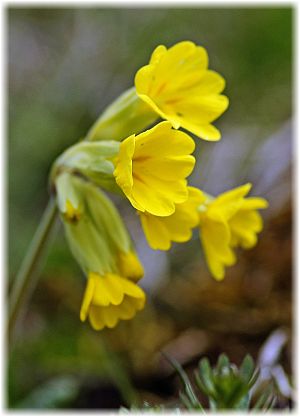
(26, 278)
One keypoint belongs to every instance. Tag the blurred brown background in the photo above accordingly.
(64, 66)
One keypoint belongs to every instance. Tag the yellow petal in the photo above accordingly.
(131, 289)
(110, 316)
(210, 83)
(127, 309)
(162, 140)
(234, 194)
(87, 298)
(254, 203)
(112, 288)
(228, 203)
(245, 225)
(123, 170)
(142, 80)
(200, 110)
(156, 232)
(176, 63)
(130, 266)
(161, 231)
(95, 318)
(204, 131)
(158, 52)
(145, 198)
(164, 167)
(215, 238)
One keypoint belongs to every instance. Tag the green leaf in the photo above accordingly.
(185, 401)
(186, 383)
(223, 362)
(247, 368)
(206, 376)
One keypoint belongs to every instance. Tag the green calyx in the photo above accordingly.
(92, 160)
(127, 115)
(94, 229)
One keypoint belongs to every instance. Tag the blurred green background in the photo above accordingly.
(65, 65)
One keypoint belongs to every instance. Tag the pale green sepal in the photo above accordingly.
(66, 190)
(98, 235)
(88, 247)
(93, 160)
(127, 115)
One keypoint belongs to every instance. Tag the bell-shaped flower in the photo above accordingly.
(102, 247)
(110, 298)
(179, 87)
(228, 221)
(151, 169)
(160, 232)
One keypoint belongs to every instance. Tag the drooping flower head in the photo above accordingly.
(228, 221)
(180, 88)
(102, 247)
(110, 298)
(152, 167)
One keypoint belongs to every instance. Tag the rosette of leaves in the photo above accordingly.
(229, 387)
(225, 386)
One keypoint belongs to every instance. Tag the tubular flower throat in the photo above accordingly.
(101, 245)
(151, 169)
(161, 231)
(179, 87)
(226, 222)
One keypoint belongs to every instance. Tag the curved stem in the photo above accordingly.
(26, 278)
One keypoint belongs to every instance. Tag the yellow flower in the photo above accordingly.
(110, 298)
(103, 248)
(247, 222)
(161, 231)
(228, 221)
(179, 87)
(151, 169)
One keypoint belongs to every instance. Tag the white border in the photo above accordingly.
(3, 205)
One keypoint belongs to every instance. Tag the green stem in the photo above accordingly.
(26, 278)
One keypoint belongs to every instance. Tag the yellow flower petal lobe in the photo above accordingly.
(180, 88)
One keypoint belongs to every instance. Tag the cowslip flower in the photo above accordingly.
(226, 222)
(151, 169)
(160, 232)
(110, 298)
(102, 247)
(179, 87)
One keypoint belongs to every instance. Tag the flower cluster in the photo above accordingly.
(150, 167)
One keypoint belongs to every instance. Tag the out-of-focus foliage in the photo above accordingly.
(65, 66)
(225, 386)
